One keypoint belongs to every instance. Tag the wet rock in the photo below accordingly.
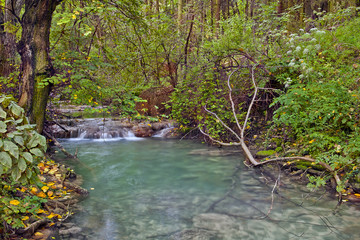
(71, 231)
(143, 130)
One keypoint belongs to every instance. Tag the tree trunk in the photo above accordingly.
(36, 65)
(179, 16)
(7, 38)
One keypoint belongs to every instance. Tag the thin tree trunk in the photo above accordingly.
(180, 10)
(8, 16)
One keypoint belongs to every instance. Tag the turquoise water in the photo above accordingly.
(170, 189)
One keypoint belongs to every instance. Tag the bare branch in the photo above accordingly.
(252, 102)
(232, 102)
(226, 126)
(219, 142)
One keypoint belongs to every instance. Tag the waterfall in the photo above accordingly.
(164, 132)
(109, 129)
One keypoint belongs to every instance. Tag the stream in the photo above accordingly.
(169, 189)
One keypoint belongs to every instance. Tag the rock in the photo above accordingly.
(70, 231)
(194, 234)
(143, 130)
(214, 221)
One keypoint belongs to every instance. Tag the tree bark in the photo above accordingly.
(8, 16)
(36, 64)
(179, 16)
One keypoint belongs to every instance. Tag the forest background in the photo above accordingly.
(281, 74)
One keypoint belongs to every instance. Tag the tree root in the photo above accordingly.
(30, 230)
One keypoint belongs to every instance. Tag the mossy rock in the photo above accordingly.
(305, 165)
(265, 153)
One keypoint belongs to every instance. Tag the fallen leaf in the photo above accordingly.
(41, 194)
(14, 202)
(45, 188)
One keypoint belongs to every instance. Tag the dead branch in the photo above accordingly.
(242, 127)
(59, 145)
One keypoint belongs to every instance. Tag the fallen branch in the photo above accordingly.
(241, 128)
(59, 145)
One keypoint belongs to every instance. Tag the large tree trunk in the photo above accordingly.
(36, 65)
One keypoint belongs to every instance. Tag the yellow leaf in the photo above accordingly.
(357, 194)
(38, 234)
(51, 215)
(50, 184)
(14, 202)
(34, 190)
(45, 188)
(41, 194)
(51, 224)
(40, 211)
(25, 218)
(50, 193)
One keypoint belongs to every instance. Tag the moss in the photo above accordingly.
(265, 153)
(305, 165)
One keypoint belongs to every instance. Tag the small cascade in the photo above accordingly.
(164, 132)
(110, 129)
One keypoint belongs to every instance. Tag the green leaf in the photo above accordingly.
(15, 174)
(33, 142)
(42, 141)
(5, 159)
(27, 156)
(1, 170)
(16, 109)
(19, 140)
(28, 173)
(37, 152)
(2, 113)
(25, 127)
(11, 148)
(3, 127)
(1, 143)
(22, 165)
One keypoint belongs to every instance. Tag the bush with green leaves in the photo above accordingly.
(319, 109)
(21, 147)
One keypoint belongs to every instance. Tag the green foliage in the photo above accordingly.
(320, 107)
(21, 148)
(14, 211)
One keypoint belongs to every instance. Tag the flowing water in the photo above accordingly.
(171, 189)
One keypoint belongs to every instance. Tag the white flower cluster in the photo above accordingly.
(303, 46)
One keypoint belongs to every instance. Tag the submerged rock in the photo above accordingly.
(194, 234)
